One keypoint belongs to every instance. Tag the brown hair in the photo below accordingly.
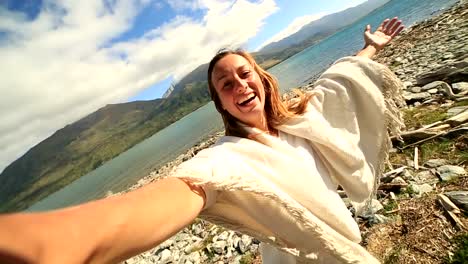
(277, 111)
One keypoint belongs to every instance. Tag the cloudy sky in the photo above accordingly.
(63, 59)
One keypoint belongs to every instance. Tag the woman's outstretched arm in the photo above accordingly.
(103, 231)
(376, 41)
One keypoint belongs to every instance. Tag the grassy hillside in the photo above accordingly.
(83, 146)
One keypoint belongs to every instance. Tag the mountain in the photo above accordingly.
(324, 26)
(81, 147)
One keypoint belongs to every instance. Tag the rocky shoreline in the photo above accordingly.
(432, 60)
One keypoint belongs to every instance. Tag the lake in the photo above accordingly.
(124, 170)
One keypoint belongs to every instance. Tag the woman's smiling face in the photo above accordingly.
(240, 89)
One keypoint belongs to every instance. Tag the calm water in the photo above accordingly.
(170, 142)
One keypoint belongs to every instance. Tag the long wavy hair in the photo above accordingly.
(277, 112)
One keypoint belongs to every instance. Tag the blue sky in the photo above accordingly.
(64, 59)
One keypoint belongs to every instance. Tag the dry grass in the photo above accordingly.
(421, 232)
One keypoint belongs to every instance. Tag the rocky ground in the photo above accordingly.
(420, 214)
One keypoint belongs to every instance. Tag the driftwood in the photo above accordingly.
(451, 210)
(434, 130)
(416, 158)
(446, 133)
(392, 186)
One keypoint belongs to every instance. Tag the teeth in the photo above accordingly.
(247, 98)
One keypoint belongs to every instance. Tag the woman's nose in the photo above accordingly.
(241, 85)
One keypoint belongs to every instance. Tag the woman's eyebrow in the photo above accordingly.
(221, 77)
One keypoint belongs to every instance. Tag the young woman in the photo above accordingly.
(273, 176)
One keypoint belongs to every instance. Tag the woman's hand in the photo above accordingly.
(376, 41)
(384, 33)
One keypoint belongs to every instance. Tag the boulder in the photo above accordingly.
(450, 172)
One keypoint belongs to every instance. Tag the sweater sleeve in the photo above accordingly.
(359, 99)
(198, 170)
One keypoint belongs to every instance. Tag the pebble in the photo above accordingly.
(166, 256)
(416, 89)
(219, 246)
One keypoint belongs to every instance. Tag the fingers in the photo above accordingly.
(368, 28)
(383, 25)
(391, 24)
(392, 27)
(397, 31)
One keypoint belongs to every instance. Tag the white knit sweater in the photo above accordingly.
(265, 187)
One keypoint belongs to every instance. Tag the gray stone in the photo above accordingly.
(450, 172)
(407, 174)
(425, 188)
(434, 163)
(398, 180)
(375, 206)
(415, 89)
(235, 241)
(244, 243)
(166, 244)
(433, 91)
(194, 257)
(457, 110)
(416, 96)
(407, 84)
(434, 85)
(181, 244)
(460, 87)
(378, 219)
(197, 229)
(459, 198)
(166, 256)
(447, 56)
(420, 189)
(253, 248)
(219, 246)
(183, 237)
(223, 236)
(425, 177)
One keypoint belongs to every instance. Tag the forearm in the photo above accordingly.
(104, 231)
(369, 51)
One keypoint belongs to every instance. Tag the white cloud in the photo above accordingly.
(292, 28)
(62, 65)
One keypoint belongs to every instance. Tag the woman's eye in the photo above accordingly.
(246, 73)
(227, 85)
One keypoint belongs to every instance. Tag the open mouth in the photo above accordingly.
(247, 100)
